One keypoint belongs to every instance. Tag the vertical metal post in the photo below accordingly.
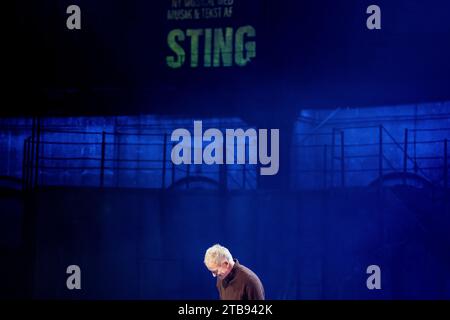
(116, 152)
(445, 163)
(102, 160)
(243, 176)
(342, 160)
(29, 160)
(380, 155)
(416, 168)
(405, 155)
(258, 175)
(333, 146)
(38, 139)
(187, 175)
(163, 184)
(223, 171)
(325, 166)
(33, 135)
(173, 168)
(24, 164)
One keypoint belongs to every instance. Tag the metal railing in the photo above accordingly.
(336, 163)
(105, 150)
(336, 156)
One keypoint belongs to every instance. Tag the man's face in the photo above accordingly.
(220, 271)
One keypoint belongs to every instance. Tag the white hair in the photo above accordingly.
(217, 254)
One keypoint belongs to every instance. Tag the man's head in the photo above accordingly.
(219, 261)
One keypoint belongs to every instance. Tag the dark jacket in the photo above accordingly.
(240, 284)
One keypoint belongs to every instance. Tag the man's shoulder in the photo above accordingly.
(247, 273)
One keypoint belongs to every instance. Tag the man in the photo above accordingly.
(234, 281)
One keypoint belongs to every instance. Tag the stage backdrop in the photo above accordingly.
(229, 56)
